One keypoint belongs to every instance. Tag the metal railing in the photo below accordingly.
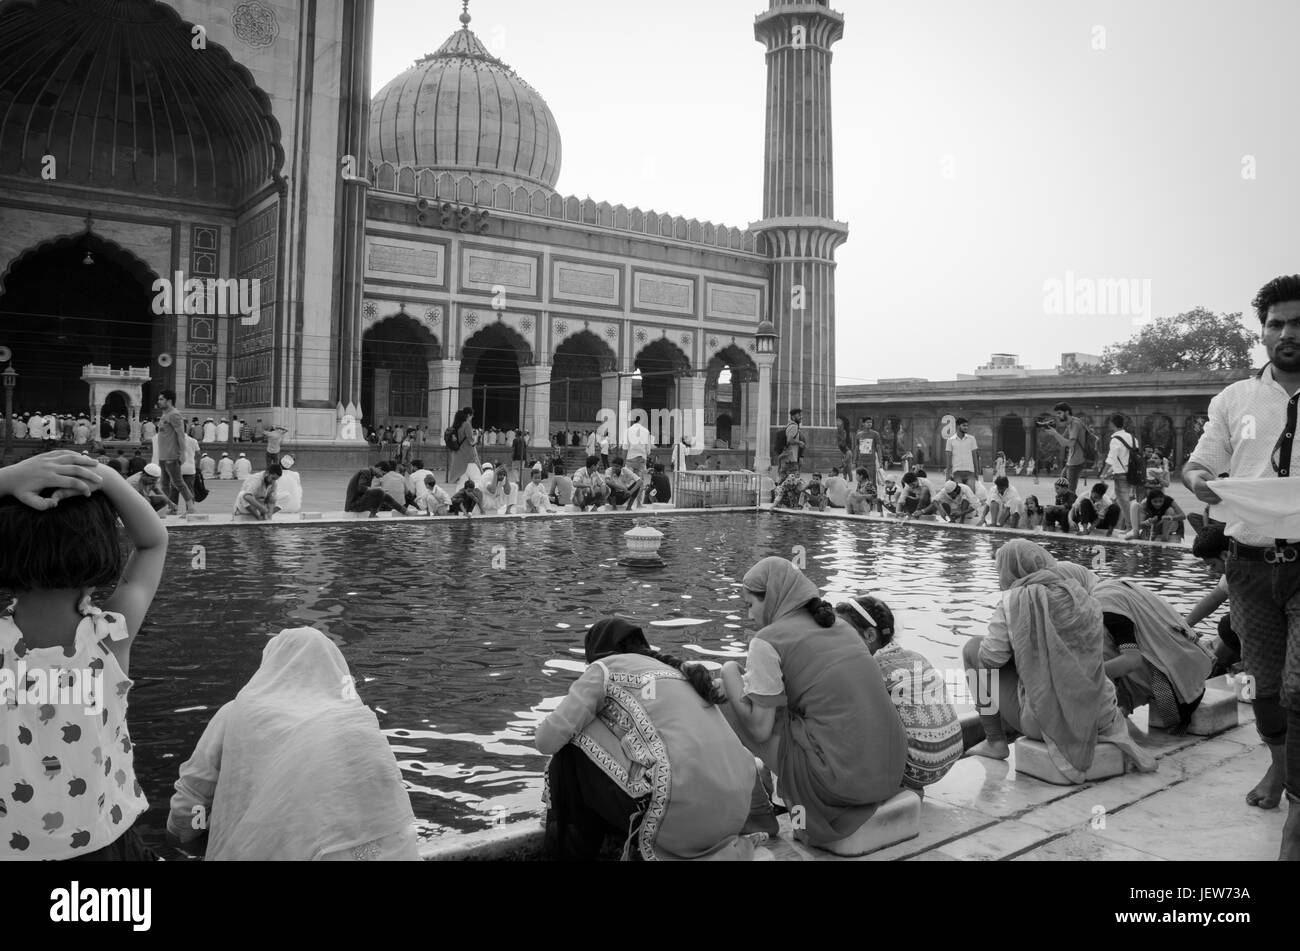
(710, 488)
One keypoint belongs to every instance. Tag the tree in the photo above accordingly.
(1196, 340)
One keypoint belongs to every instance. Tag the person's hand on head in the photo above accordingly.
(68, 473)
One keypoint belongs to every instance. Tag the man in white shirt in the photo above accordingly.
(243, 468)
(963, 455)
(36, 426)
(1251, 435)
(226, 467)
(1096, 511)
(639, 444)
(189, 461)
(1122, 447)
(956, 502)
(589, 488)
(207, 465)
(1005, 505)
(209, 430)
(838, 490)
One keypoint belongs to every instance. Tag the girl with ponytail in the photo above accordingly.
(639, 748)
(812, 704)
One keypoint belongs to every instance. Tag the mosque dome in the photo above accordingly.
(462, 110)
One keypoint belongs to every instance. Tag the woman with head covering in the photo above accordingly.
(813, 706)
(934, 732)
(1150, 653)
(466, 452)
(295, 767)
(1043, 651)
(639, 749)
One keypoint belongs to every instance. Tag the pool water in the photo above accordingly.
(462, 635)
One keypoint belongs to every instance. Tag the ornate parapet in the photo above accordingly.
(545, 203)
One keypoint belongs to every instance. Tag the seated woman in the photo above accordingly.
(1033, 514)
(813, 706)
(789, 494)
(863, 500)
(1157, 517)
(638, 749)
(1151, 655)
(295, 768)
(934, 733)
(1051, 681)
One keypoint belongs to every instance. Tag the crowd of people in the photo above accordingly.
(831, 714)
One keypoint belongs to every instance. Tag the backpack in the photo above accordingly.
(778, 442)
(200, 487)
(449, 438)
(1089, 446)
(1135, 473)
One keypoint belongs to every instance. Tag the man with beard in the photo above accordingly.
(1250, 436)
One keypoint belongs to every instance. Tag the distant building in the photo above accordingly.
(1165, 409)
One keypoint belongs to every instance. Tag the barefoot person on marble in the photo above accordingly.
(812, 704)
(1250, 435)
(1045, 656)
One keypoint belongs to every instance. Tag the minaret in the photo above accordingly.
(798, 210)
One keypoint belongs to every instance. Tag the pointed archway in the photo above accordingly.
(726, 380)
(395, 357)
(74, 301)
(490, 364)
(576, 384)
(660, 363)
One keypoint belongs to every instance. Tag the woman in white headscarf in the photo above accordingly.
(1045, 644)
(295, 767)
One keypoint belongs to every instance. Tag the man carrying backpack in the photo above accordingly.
(790, 444)
(1074, 440)
(1124, 465)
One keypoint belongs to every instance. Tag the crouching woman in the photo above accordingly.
(639, 749)
(1044, 651)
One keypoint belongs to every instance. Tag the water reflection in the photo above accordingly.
(463, 660)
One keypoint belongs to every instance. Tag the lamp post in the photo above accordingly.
(10, 378)
(765, 356)
(231, 383)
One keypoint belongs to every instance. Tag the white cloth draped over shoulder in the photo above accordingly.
(295, 767)
(1269, 507)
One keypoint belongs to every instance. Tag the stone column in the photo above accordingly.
(1031, 437)
(616, 395)
(690, 399)
(749, 420)
(763, 435)
(444, 397)
(535, 403)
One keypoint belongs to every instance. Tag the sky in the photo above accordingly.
(995, 160)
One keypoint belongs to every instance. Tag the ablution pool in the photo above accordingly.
(463, 634)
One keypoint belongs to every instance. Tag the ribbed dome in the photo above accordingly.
(115, 92)
(463, 110)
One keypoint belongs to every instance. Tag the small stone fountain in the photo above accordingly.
(643, 547)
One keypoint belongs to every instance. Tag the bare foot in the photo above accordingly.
(990, 749)
(1290, 851)
(1268, 794)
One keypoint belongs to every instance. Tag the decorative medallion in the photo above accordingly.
(526, 323)
(561, 327)
(433, 313)
(370, 310)
(713, 342)
(686, 340)
(611, 333)
(750, 346)
(255, 24)
(640, 336)
(471, 320)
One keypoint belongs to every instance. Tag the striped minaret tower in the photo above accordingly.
(798, 210)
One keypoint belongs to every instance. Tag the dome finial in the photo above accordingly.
(464, 16)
